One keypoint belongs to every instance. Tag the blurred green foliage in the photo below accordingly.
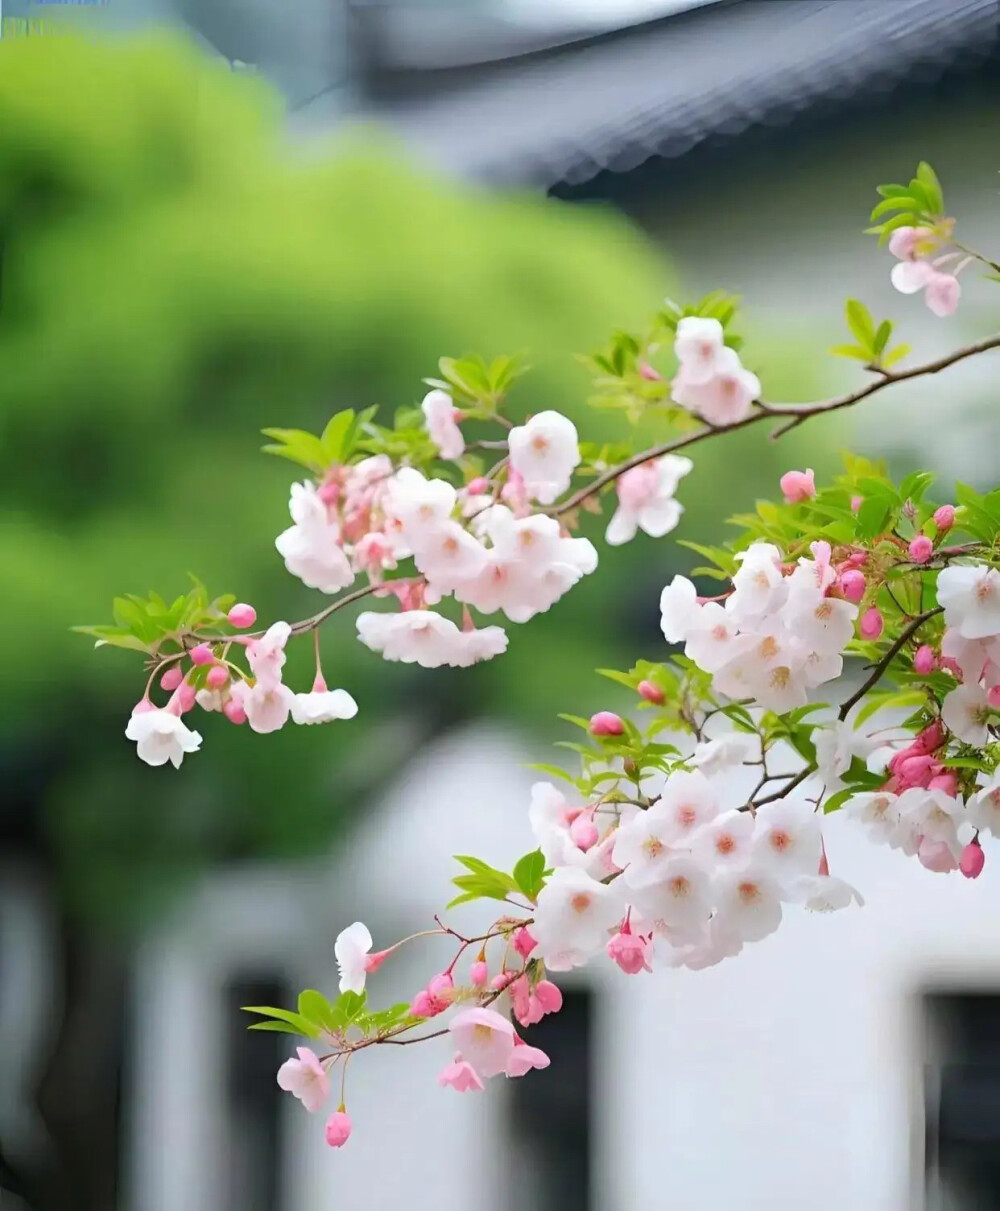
(176, 276)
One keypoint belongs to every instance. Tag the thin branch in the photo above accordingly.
(800, 777)
(796, 414)
(897, 646)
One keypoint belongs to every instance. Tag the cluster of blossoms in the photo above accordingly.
(684, 837)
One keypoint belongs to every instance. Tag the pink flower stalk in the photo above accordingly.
(306, 1079)
(523, 942)
(217, 677)
(461, 1076)
(651, 692)
(338, 1128)
(631, 952)
(944, 518)
(924, 660)
(798, 486)
(172, 678)
(606, 723)
(479, 974)
(871, 624)
(242, 616)
(973, 860)
(143, 705)
(852, 585)
(921, 548)
(202, 654)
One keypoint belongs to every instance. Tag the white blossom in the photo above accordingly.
(970, 594)
(573, 917)
(161, 736)
(545, 452)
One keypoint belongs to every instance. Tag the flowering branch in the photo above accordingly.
(797, 414)
(879, 669)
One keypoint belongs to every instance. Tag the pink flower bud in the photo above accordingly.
(477, 486)
(647, 372)
(183, 698)
(871, 624)
(440, 986)
(931, 738)
(947, 782)
(629, 951)
(652, 693)
(797, 486)
(338, 1129)
(584, 833)
(916, 770)
(202, 654)
(234, 712)
(523, 942)
(242, 616)
(852, 585)
(329, 494)
(973, 860)
(217, 677)
(921, 549)
(993, 697)
(856, 559)
(606, 723)
(479, 974)
(172, 678)
(856, 503)
(944, 517)
(422, 1006)
(549, 996)
(924, 660)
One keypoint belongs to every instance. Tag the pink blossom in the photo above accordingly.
(936, 856)
(441, 415)
(172, 678)
(852, 585)
(942, 293)
(435, 998)
(724, 399)
(526, 1008)
(267, 706)
(523, 1058)
(584, 832)
(242, 616)
(944, 517)
(907, 243)
(921, 548)
(461, 1076)
(484, 1038)
(798, 486)
(606, 723)
(631, 952)
(973, 860)
(924, 660)
(338, 1129)
(523, 942)
(306, 1079)
(946, 781)
(266, 655)
(871, 624)
(548, 996)
(651, 692)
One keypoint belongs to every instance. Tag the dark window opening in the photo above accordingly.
(551, 1114)
(254, 1100)
(962, 1102)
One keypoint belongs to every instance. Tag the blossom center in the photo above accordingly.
(780, 840)
(768, 647)
(653, 847)
(680, 886)
(749, 893)
(687, 815)
(580, 902)
(724, 844)
(780, 678)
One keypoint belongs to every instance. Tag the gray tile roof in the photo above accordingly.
(662, 88)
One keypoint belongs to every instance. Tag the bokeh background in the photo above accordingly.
(217, 215)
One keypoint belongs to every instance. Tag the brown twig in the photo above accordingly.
(897, 646)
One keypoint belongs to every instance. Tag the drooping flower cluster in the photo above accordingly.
(919, 269)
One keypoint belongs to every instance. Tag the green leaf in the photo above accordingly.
(113, 637)
(854, 351)
(928, 178)
(337, 429)
(860, 322)
(882, 334)
(529, 872)
(314, 1007)
(837, 801)
(302, 1025)
(553, 771)
(280, 1027)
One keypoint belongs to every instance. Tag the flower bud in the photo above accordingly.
(944, 518)
(924, 660)
(477, 486)
(973, 860)
(852, 585)
(479, 973)
(651, 692)
(234, 712)
(338, 1129)
(606, 723)
(797, 486)
(584, 832)
(647, 372)
(172, 678)
(523, 942)
(856, 503)
(217, 677)
(242, 616)
(202, 654)
(871, 624)
(921, 549)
